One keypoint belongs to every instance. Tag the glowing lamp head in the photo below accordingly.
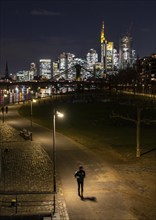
(59, 114)
(34, 100)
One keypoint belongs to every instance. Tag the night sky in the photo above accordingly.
(33, 30)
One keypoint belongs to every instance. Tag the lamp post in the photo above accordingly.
(54, 153)
(60, 115)
(138, 153)
(31, 116)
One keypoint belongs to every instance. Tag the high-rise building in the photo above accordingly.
(65, 63)
(148, 69)
(33, 71)
(115, 59)
(33, 68)
(103, 49)
(106, 53)
(92, 58)
(23, 76)
(55, 70)
(45, 68)
(125, 52)
(109, 57)
(134, 56)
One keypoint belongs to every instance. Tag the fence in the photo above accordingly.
(23, 203)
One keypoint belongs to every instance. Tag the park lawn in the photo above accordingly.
(91, 124)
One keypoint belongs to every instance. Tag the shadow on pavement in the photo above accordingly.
(92, 199)
(25, 217)
(148, 151)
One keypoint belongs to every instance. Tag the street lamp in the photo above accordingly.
(31, 116)
(60, 115)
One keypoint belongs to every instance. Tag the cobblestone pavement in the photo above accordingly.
(26, 178)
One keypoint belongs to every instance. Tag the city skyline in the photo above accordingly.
(34, 30)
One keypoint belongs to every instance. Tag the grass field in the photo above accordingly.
(91, 124)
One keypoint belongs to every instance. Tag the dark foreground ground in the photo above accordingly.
(26, 167)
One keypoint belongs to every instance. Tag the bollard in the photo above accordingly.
(13, 202)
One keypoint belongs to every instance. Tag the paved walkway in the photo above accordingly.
(26, 176)
(118, 191)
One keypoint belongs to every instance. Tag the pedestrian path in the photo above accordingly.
(26, 178)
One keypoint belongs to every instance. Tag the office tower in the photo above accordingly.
(103, 49)
(109, 57)
(92, 58)
(115, 59)
(106, 54)
(45, 69)
(134, 57)
(33, 68)
(55, 69)
(33, 71)
(125, 52)
(148, 69)
(23, 76)
(65, 63)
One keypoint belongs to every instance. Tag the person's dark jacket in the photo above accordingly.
(80, 175)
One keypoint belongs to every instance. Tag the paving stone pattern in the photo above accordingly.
(25, 165)
(26, 176)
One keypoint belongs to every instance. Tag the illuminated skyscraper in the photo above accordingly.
(125, 52)
(106, 53)
(45, 68)
(33, 68)
(65, 61)
(55, 68)
(103, 49)
(92, 58)
(115, 59)
(32, 71)
(109, 57)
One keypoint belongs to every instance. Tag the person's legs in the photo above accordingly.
(78, 183)
(81, 184)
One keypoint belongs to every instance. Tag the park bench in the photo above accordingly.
(25, 133)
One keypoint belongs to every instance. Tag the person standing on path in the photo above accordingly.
(80, 175)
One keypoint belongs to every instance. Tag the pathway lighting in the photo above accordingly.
(60, 115)
(31, 116)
